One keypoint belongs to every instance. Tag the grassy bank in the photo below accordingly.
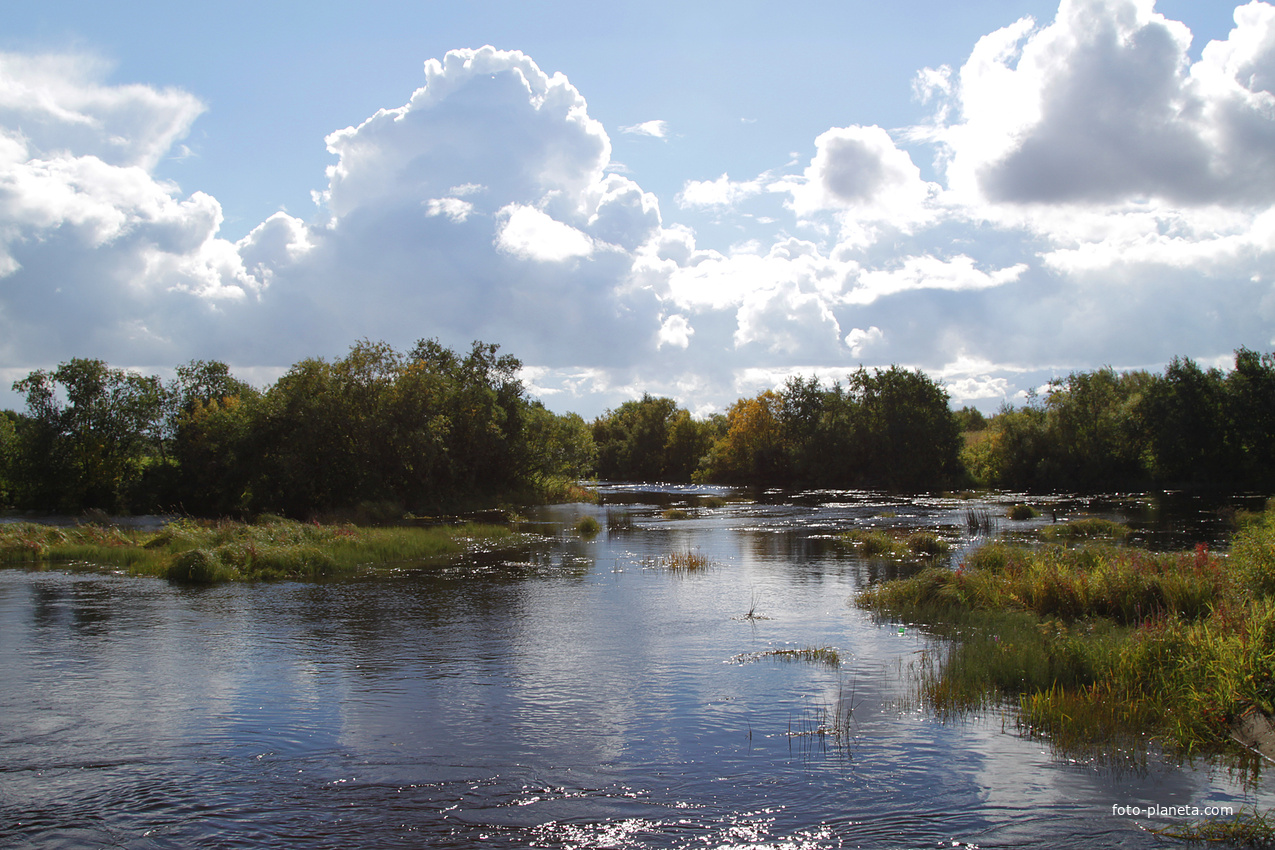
(1100, 646)
(212, 551)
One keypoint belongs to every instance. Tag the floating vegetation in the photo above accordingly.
(713, 502)
(273, 548)
(825, 655)
(1022, 512)
(1088, 528)
(676, 513)
(587, 526)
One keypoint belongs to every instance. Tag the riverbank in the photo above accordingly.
(207, 551)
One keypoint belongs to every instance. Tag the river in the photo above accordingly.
(574, 693)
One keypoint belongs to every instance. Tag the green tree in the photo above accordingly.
(91, 450)
(1249, 414)
(633, 439)
(1183, 419)
(1093, 432)
(8, 454)
(562, 444)
(911, 438)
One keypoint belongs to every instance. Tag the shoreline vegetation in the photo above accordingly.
(1103, 649)
(381, 434)
(273, 548)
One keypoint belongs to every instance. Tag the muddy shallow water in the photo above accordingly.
(575, 693)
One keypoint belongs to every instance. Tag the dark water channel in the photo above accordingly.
(575, 693)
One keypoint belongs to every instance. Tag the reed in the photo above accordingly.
(978, 521)
(686, 562)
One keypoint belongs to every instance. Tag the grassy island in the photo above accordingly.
(204, 551)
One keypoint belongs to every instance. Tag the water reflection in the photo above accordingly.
(572, 693)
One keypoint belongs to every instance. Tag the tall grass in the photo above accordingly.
(1100, 646)
(204, 551)
(686, 562)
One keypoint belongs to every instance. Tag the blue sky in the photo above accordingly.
(691, 199)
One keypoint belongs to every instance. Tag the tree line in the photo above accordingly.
(378, 429)
(432, 429)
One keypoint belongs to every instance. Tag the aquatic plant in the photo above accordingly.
(1246, 828)
(825, 655)
(878, 543)
(873, 543)
(587, 526)
(979, 521)
(684, 562)
(1022, 512)
(926, 544)
(676, 513)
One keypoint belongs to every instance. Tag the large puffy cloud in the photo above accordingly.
(1104, 106)
(97, 257)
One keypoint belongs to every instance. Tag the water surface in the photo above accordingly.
(570, 694)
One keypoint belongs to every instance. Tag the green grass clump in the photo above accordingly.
(874, 543)
(676, 513)
(1099, 645)
(1021, 512)
(926, 544)
(1088, 528)
(273, 548)
(587, 526)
